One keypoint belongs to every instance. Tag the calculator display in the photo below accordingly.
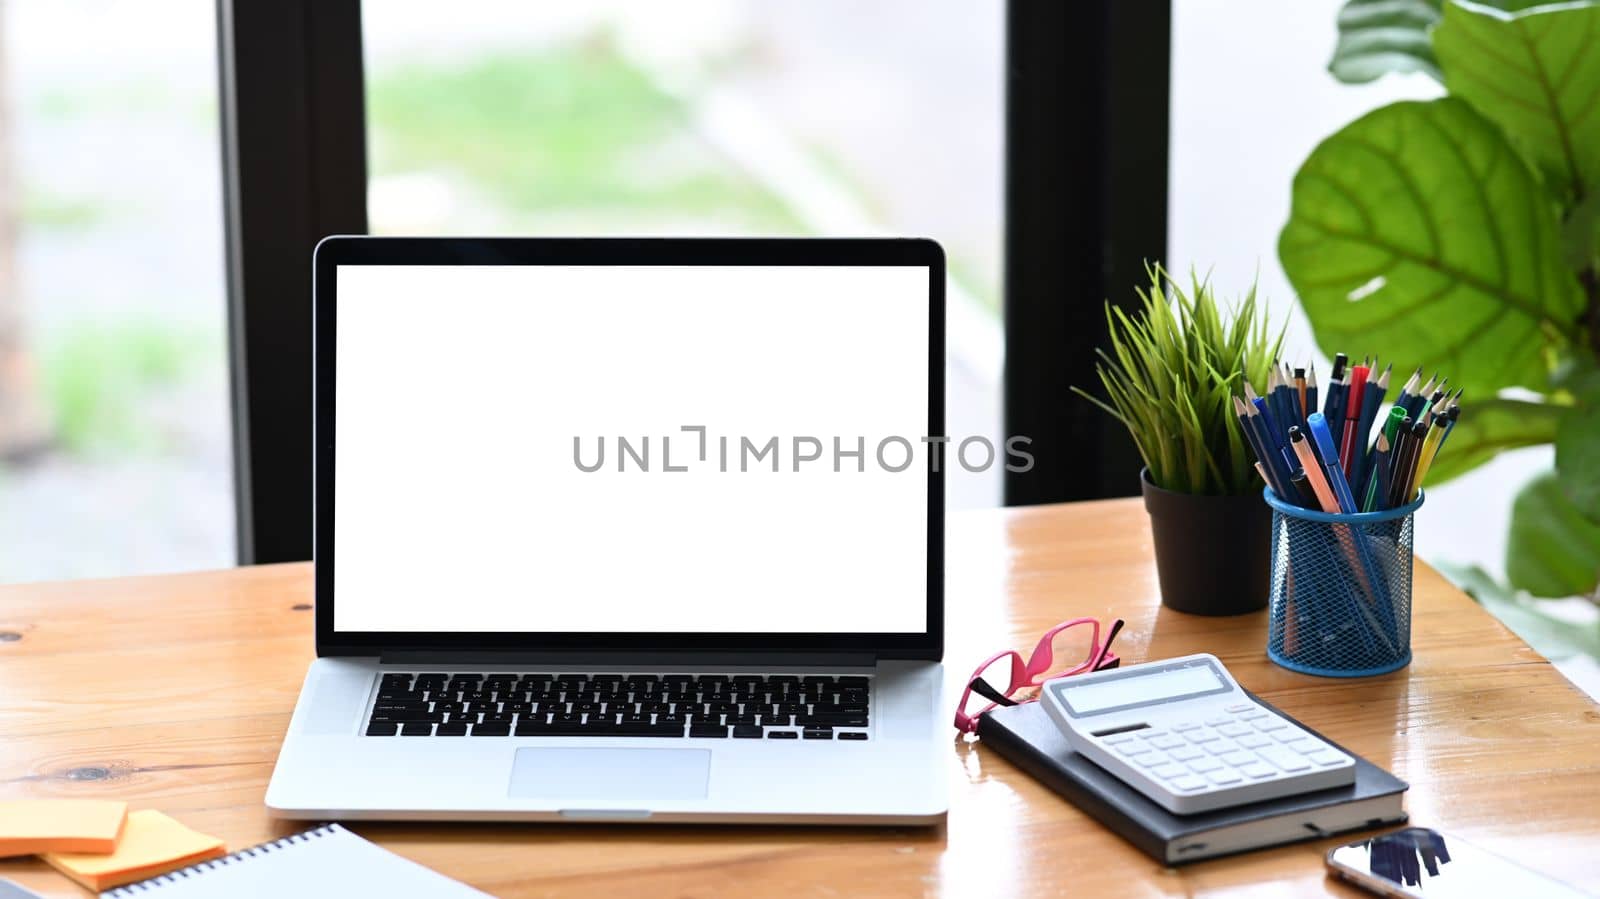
(1143, 689)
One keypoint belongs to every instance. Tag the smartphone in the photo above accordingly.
(1418, 863)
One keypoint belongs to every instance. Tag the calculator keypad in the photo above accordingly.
(1248, 744)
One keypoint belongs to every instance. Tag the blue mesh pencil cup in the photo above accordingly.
(1340, 601)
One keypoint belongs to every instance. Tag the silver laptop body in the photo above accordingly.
(625, 530)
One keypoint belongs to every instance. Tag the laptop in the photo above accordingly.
(625, 530)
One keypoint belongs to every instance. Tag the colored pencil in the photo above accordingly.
(1378, 485)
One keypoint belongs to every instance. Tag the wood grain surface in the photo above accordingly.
(173, 692)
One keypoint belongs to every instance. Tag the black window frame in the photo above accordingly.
(1085, 208)
(294, 170)
(1087, 106)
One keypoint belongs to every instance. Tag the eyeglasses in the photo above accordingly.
(1072, 641)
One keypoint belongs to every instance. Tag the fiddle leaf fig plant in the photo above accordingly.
(1464, 233)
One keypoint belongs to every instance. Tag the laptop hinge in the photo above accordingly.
(593, 659)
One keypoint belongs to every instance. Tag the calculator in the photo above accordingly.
(1183, 733)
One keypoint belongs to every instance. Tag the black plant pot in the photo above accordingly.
(1211, 551)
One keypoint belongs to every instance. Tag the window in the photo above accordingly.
(707, 118)
(115, 454)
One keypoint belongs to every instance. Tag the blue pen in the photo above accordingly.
(1373, 581)
(1330, 461)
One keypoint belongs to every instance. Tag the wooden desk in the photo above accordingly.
(173, 693)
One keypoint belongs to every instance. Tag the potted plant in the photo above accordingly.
(1170, 377)
(1464, 232)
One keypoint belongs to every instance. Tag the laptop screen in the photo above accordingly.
(631, 449)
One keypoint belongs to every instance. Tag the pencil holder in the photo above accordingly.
(1341, 590)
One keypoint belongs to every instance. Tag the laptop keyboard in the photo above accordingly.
(718, 706)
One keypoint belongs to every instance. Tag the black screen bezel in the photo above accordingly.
(333, 252)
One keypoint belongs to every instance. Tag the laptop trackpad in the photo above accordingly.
(605, 773)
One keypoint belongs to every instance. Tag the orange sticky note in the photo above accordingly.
(29, 826)
(151, 844)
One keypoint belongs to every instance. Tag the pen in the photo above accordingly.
(1419, 437)
(1333, 406)
(1393, 423)
(1450, 424)
(1312, 470)
(1330, 460)
(1405, 466)
(1354, 398)
(1377, 389)
(1352, 542)
(1398, 444)
(1302, 487)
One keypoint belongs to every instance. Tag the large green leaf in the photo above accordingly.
(1580, 233)
(1536, 74)
(1489, 427)
(1381, 36)
(1578, 453)
(1553, 550)
(1417, 233)
(1553, 637)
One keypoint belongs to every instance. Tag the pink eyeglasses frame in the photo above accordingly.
(1037, 669)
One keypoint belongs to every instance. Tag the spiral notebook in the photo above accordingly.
(326, 861)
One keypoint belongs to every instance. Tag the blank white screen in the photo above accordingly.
(1170, 684)
(459, 391)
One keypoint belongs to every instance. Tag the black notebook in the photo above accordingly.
(1026, 736)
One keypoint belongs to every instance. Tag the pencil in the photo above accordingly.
(1275, 436)
(1311, 388)
(1253, 436)
(1378, 483)
(1430, 448)
(1407, 391)
(1270, 457)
